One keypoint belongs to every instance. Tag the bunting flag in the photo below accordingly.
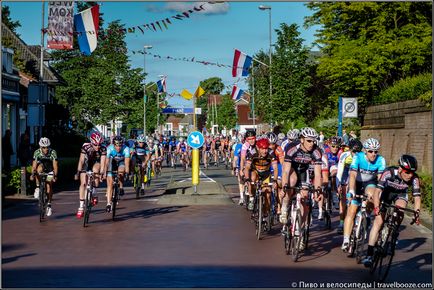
(237, 93)
(186, 94)
(241, 64)
(87, 21)
(199, 92)
(161, 84)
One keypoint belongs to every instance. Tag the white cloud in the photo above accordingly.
(216, 8)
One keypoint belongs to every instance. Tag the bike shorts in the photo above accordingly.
(114, 166)
(303, 178)
(264, 176)
(360, 190)
(391, 197)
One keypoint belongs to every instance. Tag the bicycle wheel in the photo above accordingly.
(385, 260)
(115, 198)
(296, 239)
(42, 201)
(137, 183)
(361, 244)
(87, 208)
(246, 197)
(307, 226)
(260, 214)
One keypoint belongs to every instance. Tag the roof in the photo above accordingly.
(173, 119)
(29, 56)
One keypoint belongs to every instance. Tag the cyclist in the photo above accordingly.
(342, 177)
(182, 151)
(293, 137)
(118, 159)
(216, 149)
(258, 165)
(280, 139)
(248, 147)
(45, 160)
(298, 158)
(280, 156)
(236, 161)
(141, 158)
(393, 187)
(206, 150)
(365, 170)
(92, 155)
(172, 150)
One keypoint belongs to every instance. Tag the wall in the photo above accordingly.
(403, 127)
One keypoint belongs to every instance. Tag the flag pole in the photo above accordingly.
(194, 112)
(253, 98)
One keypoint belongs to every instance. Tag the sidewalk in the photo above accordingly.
(207, 193)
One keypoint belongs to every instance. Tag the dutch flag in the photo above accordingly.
(241, 64)
(237, 93)
(87, 24)
(161, 84)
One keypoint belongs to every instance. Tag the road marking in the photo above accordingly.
(207, 179)
(149, 199)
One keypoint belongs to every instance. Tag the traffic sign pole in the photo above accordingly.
(195, 169)
(195, 140)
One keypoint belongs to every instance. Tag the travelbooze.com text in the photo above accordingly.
(359, 285)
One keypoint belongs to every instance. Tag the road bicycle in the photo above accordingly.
(384, 250)
(359, 234)
(296, 233)
(115, 193)
(328, 207)
(258, 208)
(43, 197)
(138, 180)
(88, 202)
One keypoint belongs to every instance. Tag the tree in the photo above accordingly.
(290, 76)
(211, 86)
(226, 113)
(367, 46)
(6, 19)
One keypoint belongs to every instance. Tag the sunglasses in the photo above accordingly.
(406, 171)
(118, 145)
(309, 141)
(373, 151)
(44, 147)
(334, 146)
(251, 139)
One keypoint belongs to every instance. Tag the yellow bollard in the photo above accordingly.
(195, 167)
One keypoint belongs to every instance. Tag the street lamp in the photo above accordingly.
(144, 87)
(158, 106)
(266, 7)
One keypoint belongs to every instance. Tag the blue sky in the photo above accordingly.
(209, 36)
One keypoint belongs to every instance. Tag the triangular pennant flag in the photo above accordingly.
(186, 94)
(164, 23)
(158, 23)
(199, 92)
(168, 21)
(141, 29)
(186, 14)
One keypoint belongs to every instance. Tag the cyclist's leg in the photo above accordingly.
(353, 205)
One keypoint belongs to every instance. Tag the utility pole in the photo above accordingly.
(144, 88)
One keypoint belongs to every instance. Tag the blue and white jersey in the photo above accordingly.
(118, 156)
(237, 152)
(141, 151)
(366, 170)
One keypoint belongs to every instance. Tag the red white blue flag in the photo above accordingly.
(87, 25)
(241, 64)
(237, 93)
(161, 84)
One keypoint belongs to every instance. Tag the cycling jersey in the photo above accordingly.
(237, 153)
(247, 148)
(182, 146)
(343, 168)
(333, 159)
(393, 187)
(301, 160)
(92, 156)
(172, 145)
(45, 160)
(262, 165)
(207, 145)
(366, 170)
(217, 144)
(141, 152)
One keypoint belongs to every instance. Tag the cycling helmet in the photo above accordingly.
(356, 145)
(141, 139)
(335, 140)
(151, 140)
(293, 135)
(44, 142)
(250, 133)
(408, 162)
(281, 136)
(96, 139)
(371, 144)
(118, 140)
(157, 142)
(272, 137)
(181, 139)
(308, 132)
(263, 143)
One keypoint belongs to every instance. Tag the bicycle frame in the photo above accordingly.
(88, 196)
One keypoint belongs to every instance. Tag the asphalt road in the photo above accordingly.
(153, 245)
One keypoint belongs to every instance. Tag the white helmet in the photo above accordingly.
(44, 142)
(293, 134)
(371, 144)
(308, 132)
(281, 136)
(181, 139)
(151, 140)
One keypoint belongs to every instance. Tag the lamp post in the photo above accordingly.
(144, 87)
(266, 7)
(158, 107)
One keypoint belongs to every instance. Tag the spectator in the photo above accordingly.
(321, 138)
(345, 137)
(353, 135)
(7, 150)
(25, 149)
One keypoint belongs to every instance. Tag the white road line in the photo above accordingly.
(207, 179)
(149, 199)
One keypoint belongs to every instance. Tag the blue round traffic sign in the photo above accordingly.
(195, 139)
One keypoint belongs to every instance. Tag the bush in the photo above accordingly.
(426, 190)
(406, 89)
(14, 179)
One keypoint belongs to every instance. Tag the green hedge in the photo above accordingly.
(406, 89)
(426, 190)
